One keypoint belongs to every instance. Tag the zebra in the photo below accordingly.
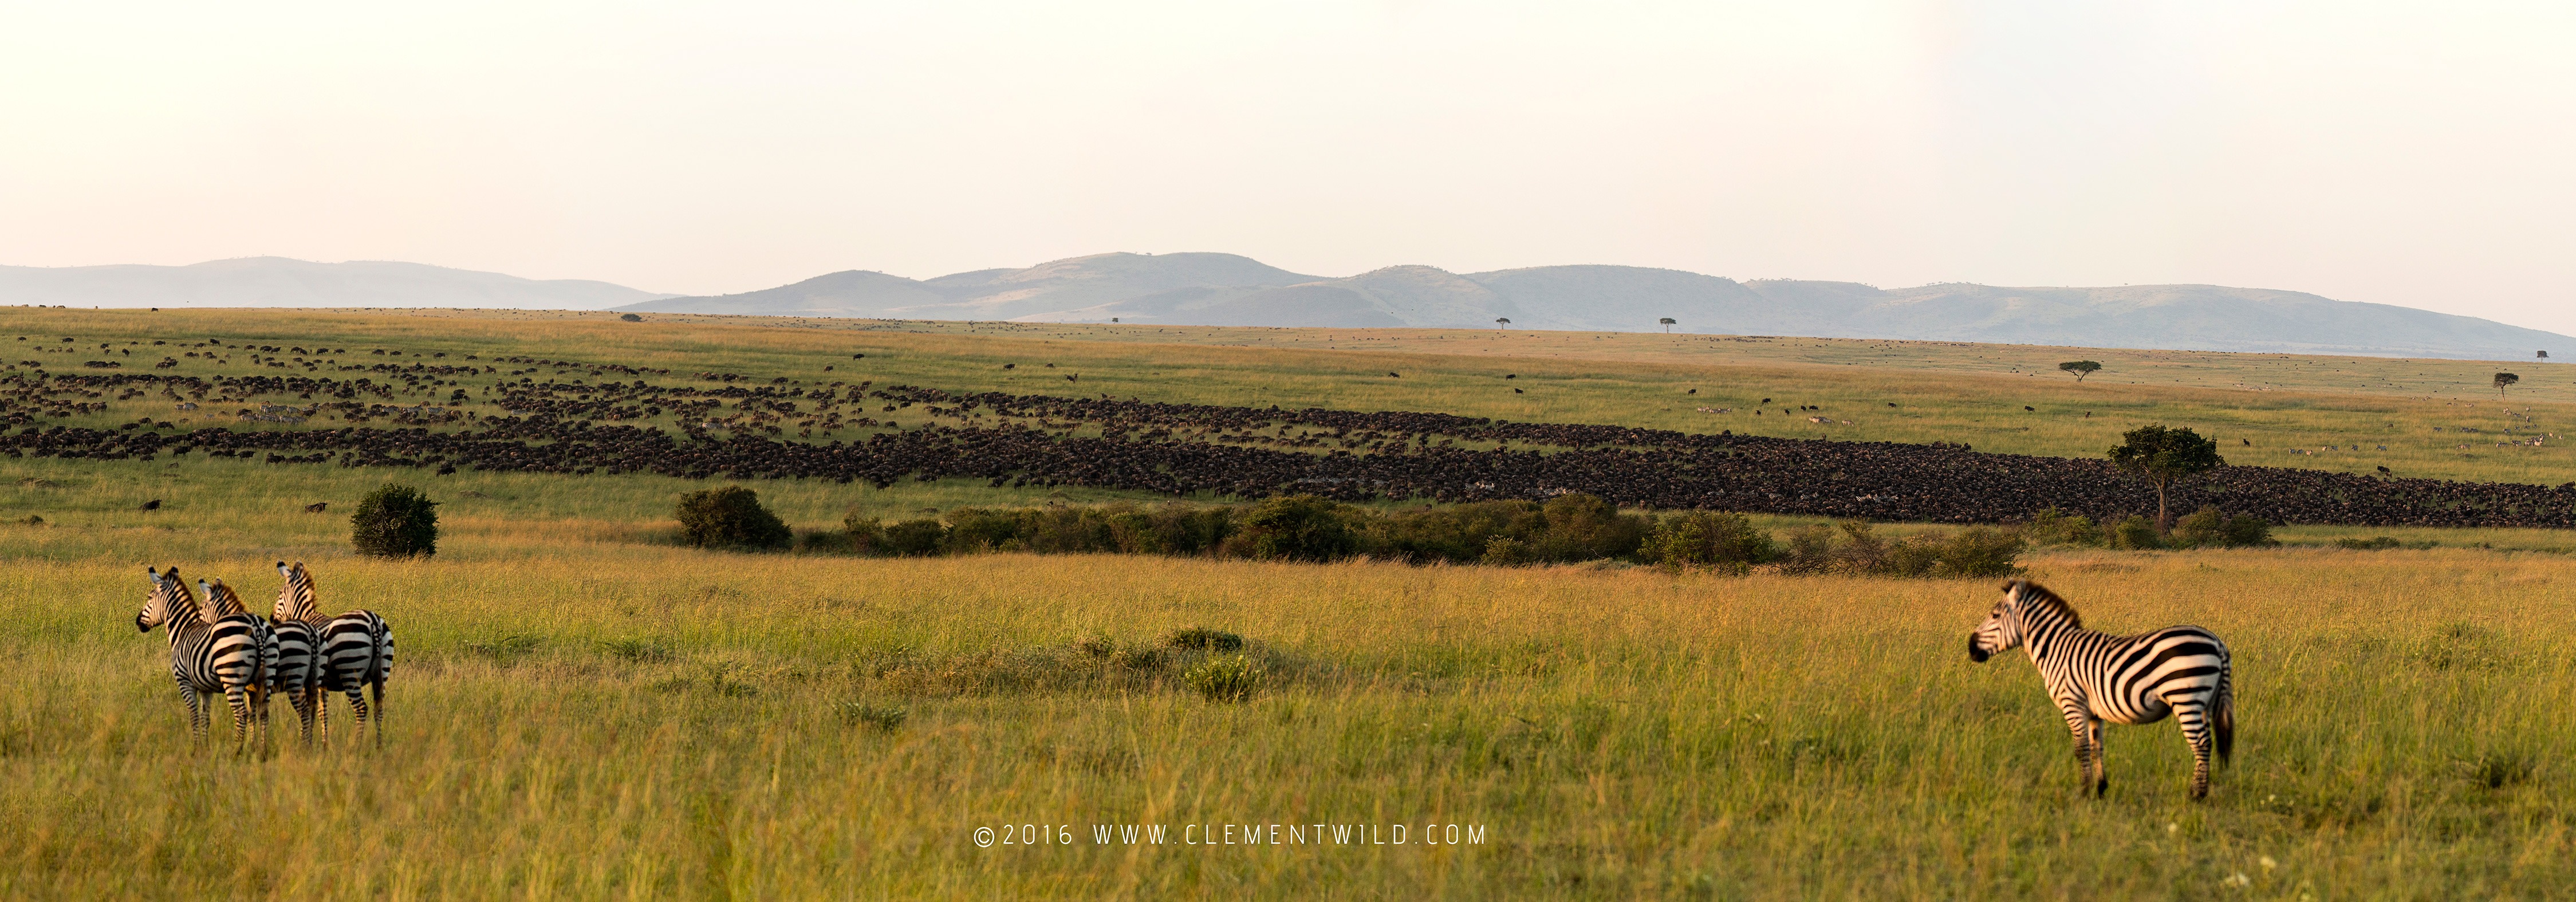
(287, 648)
(355, 650)
(2093, 677)
(208, 654)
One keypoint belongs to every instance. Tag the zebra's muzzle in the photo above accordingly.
(1977, 652)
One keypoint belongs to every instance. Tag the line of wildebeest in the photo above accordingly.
(1245, 452)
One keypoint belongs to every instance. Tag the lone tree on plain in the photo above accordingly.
(1668, 324)
(2504, 379)
(395, 521)
(1502, 321)
(2163, 456)
(2081, 368)
(2544, 355)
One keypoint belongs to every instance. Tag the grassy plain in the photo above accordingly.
(582, 710)
(2293, 409)
(580, 715)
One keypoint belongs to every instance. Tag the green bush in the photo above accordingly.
(863, 535)
(2199, 528)
(2247, 531)
(2051, 526)
(1708, 539)
(395, 521)
(2207, 528)
(1810, 550)
(915, 538)
(1505, 551)
(2135, 533)
(1585, 528)
(730, 517)
(972, 529)
(1227, 678)
(1298, 528)
(1980, 551)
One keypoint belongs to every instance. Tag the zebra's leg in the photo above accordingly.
(196, 715)
(2081, 724)
(2191, 710)
(358, 705)
(238, 699)
(304, 699)
(2101, 762)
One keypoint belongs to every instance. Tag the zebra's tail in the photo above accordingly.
(2225, 721)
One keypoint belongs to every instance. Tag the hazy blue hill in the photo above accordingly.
(281, 282)
(854, 293)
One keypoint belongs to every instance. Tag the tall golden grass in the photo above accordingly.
(575, 716)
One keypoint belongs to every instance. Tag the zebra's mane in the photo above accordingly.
(2034, 595)
(220, 603)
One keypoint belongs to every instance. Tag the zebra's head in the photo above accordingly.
(2002, 630)
(168, 601)
(295, 599)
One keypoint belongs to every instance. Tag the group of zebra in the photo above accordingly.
(298, 652)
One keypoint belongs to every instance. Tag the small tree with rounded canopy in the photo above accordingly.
(2081, 368)
(1668, 323)
(2164, 456)
(395, 521)
(730, 517)
(1502, 321)
(2504, 379)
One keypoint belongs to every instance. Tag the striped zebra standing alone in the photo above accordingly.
(286, 652)
(355, 651)
(2094, 677)
(208, 654)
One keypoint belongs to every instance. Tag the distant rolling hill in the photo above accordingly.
(1203, 289)
(281, 282)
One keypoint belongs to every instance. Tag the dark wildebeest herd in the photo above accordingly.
(581, 427)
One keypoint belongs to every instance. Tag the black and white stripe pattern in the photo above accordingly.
(286, 652)
(209, 654)
(2094, 677)
(355, 651)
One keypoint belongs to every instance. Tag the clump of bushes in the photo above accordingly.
(395, 521)
(2207, 528)
(730, 517)
(1725, 541)
(1855, 548)
(1565, 529)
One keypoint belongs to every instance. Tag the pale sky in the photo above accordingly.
(2417, 154)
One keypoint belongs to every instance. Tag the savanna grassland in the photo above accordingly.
(583, 709)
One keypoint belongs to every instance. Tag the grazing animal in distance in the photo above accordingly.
(317, 507)
(355, 651)
(2093, 677)
(152, 505)
(208, 654)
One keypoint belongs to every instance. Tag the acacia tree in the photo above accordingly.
(2163, 456)
(1667, 323)
(2081, 368)
(1502, 321)
(2504, 379)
